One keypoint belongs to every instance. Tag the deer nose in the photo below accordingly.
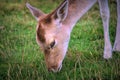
(55, 68)
(52, 68)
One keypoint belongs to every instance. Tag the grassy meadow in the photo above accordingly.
(21, 58)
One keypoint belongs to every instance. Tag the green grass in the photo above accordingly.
(21, 59)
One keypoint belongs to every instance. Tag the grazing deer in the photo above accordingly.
(54, 29)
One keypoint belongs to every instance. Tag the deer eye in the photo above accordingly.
(52, 44)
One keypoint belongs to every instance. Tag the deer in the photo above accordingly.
(54, 29)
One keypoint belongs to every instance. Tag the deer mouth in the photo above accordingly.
(55, 69)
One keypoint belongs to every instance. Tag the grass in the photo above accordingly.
(21, 59)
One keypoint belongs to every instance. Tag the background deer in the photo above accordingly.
(54, 29)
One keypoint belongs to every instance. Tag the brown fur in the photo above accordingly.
(41, 33)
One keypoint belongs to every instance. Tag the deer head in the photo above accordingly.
(51, 35)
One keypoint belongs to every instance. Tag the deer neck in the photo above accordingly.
(76, 9)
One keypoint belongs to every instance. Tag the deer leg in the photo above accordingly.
(117, 38)
(105, 15)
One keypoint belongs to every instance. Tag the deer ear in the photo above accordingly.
(35, 12)
(62, 11)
